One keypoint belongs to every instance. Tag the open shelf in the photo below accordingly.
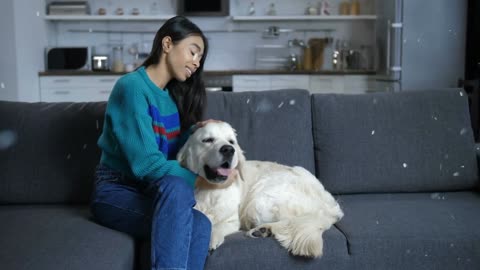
(305, 18)
(234, 18)
(108, 17)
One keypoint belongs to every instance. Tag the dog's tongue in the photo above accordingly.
(224, 172)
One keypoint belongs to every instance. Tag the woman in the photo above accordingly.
(140, 188)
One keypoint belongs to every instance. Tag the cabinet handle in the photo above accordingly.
(105, 91)
(213, 88)
(107, 80)
(61, 80)
(61, 92)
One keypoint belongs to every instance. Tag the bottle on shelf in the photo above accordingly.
(355, 7)
(307, 58)
(344, 8)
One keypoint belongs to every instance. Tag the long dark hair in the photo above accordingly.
(189, 96)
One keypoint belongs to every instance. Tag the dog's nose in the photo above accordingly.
(227, 150)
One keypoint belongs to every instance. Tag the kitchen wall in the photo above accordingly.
(21, 48)
(434, 48)
(25, 34)
(8, 64)
(229, 49)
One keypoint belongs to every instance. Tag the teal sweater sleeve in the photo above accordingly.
(131, 131)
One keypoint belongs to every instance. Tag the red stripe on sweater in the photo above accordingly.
(163, 131)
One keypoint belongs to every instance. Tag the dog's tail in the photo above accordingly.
(302, 236)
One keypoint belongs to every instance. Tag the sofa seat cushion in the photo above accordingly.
(413, 231)
(242, 252)
(60, 237)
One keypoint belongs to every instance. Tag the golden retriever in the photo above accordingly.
(263, 198)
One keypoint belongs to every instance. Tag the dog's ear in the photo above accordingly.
(183, 154)
(187, 157)
(241, 163)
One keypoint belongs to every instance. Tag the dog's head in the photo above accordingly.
(212, 152)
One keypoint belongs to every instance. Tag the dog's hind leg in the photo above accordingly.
(301, 236)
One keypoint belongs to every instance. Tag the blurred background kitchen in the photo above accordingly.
(75, 50)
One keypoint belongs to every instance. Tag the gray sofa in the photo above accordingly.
(402, 165)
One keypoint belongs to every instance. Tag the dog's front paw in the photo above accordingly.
(260, 231)
(216, 240)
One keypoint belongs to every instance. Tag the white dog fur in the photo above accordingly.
(262, 198)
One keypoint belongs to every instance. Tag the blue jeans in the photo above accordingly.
(162, 209)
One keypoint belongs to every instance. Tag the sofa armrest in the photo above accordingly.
(477, 150)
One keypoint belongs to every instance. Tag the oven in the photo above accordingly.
(218, 82)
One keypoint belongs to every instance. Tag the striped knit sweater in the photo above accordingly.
(141, 133)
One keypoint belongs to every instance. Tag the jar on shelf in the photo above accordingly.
(117, 59)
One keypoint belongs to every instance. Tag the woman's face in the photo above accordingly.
(183, 58)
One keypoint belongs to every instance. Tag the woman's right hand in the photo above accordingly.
(203, 123)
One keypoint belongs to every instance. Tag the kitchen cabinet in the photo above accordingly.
(289, 82)
(358, 84)
(76, 88)
(340, 84)
(326, 84)
(98, 87)
(242, 83)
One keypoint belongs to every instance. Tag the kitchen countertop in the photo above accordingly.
(218, 72)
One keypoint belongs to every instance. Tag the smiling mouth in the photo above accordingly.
(219, 174)
(189, 72)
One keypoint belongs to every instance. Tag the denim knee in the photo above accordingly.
(175, 188)
(202, 222)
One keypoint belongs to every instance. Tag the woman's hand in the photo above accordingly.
(203, 123)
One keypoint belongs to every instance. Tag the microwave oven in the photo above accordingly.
(66, 58)
(203, 8)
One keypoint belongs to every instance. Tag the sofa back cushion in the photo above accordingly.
(271, 125)
(50, 151)
(410, 141)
